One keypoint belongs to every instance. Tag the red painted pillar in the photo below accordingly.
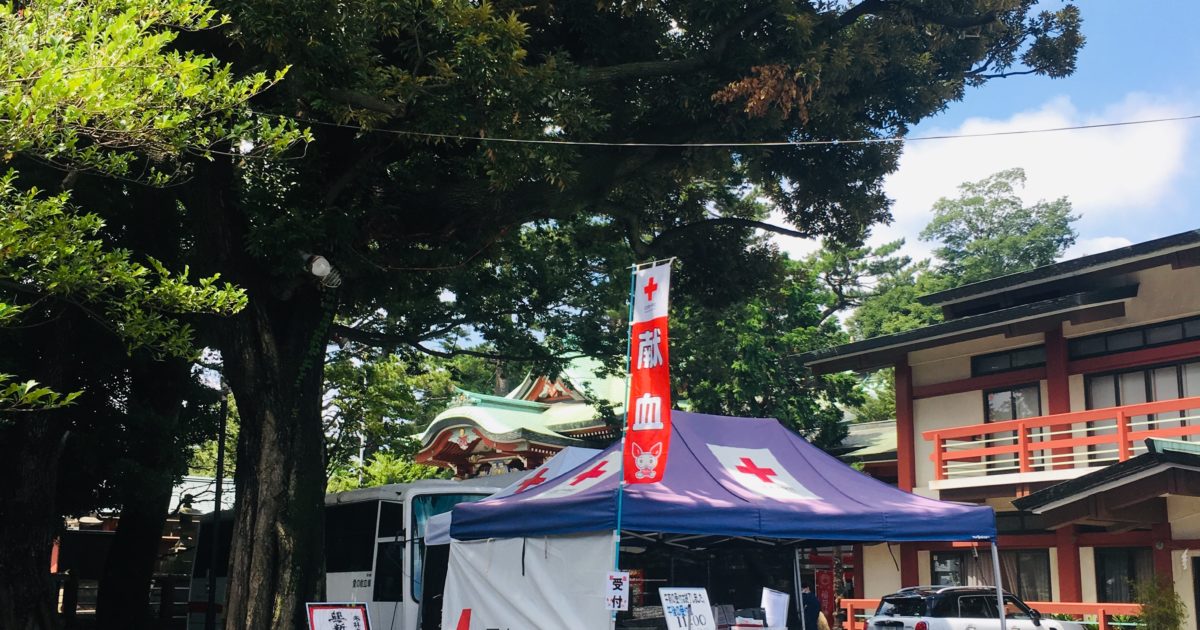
(1070, 582)
(1058, 390)
(909, 575)
(860, 572)
(906, 461)
(906, 456)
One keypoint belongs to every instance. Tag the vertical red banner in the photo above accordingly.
(648, 410)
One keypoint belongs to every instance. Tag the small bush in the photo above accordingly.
(1162, 608)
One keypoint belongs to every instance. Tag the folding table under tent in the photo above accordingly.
(537, 559)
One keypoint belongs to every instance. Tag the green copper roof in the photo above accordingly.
(509, 416)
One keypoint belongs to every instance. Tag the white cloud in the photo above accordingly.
(1087, 246)
(1104, 172)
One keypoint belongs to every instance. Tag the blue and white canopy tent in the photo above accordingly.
(437, 528)
(537, 559)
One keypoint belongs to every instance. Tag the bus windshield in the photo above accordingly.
(423, 507)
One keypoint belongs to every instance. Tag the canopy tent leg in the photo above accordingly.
(796, 580)
(999, 585)
(800, 591)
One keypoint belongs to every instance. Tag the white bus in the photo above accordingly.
(374, 547)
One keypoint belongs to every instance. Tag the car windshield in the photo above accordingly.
(902, 606)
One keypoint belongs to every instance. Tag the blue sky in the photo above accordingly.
(1129, 184)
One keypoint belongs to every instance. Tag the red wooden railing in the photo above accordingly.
(1079, 439)
(1098, 614)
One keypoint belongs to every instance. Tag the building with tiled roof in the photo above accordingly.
(482, 434)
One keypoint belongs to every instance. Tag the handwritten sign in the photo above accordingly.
(687, 609)
(616, 590)
(338, 616)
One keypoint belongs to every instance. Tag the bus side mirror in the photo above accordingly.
(1036, 616)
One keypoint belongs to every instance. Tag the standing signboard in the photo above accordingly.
(617, 587)
(687, 609)
(648, 409)
(338, 616)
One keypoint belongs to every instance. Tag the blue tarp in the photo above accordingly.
(728, 477)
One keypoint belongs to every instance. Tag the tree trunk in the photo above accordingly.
(123, 602)
(278, 529)
(28, 521)
(273, 355)
(153, 462)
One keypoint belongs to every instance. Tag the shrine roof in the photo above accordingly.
(513, 416)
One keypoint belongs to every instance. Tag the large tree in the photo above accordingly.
(407, 193)
(532, 238)
(94, 105)
(988, 230)
(985, 232)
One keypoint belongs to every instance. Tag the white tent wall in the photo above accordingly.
(529, 583)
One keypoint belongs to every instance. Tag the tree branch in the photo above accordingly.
(369, 102)
(882, 7)
(670, 67)
(674, 232)
(1001, 75)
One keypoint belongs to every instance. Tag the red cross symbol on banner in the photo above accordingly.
(596, 471)
(538, 478)
(650, 288)
(750, 468)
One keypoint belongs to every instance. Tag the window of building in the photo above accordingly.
(1118, 569)
(1131, 387)
(1025, 572)
(948, 568)
(1008, 360)
(1010, 404)
(1135, 338)
(1014, 403)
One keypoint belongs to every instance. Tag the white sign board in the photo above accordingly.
(616, 590)
(338, 616)
(687, 609)
(775, 604)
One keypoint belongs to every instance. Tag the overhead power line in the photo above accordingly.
(734, 145)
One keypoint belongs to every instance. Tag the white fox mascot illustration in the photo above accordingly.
(646, 461)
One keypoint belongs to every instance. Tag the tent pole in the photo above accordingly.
(999, 585)
(796, 578)
(800, 590)
(624, 421)
(624, 427)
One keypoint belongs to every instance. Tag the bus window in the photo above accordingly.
(423, 507)
(391, 520)
(389, 572)
(349, 536)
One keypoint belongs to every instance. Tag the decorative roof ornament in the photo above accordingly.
(464, 438)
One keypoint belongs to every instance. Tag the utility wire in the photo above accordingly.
(776, 143)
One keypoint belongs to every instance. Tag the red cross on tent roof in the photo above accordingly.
(750, 468)
(537, 478)
(596, 471)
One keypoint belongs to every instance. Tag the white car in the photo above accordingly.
(957, 608)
